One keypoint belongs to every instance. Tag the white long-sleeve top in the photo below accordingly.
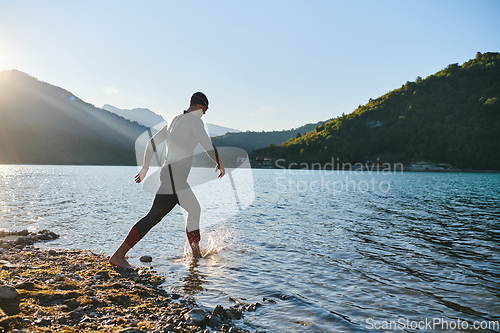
(183, 134)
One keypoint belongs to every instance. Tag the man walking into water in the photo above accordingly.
(182, 135)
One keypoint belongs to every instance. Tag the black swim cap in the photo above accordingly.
(199, 98)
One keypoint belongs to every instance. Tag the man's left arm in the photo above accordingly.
(210, 149)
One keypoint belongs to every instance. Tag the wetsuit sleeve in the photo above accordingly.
(205, 141)
(158, 138)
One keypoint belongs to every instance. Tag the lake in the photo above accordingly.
(322, 251)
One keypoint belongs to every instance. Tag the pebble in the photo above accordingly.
(219, 311)
(264, 299)
(26, 285)
(72, 303)
(102, 275)
(59, 277)
(195, 317)
(42, 322)
(214, 321)
(146, 259)
(7, 292)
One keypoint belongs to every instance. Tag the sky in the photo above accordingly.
(264, 65)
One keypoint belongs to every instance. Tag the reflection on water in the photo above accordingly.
(192, 282)
(318, 260)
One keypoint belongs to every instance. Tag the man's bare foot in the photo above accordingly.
(120, 262)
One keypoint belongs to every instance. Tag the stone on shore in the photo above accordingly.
(25, 285)
(7, 292)
(146, 259)
(195, 317)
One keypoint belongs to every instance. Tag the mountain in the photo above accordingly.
(450, 117)
(144, 117)
(250, 140)
(216, 130)
(148, 118)
(44, 124)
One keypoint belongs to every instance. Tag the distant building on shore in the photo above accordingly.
(427, 166)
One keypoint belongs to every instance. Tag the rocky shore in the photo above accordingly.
(47, 290)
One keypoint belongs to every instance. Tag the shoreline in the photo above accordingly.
(272, 167)
(47, 290)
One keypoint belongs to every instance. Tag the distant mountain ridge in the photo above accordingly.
(216, 130)
(148, 118)
(44, 124)
(142, 116)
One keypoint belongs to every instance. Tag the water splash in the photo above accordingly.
(212, 242)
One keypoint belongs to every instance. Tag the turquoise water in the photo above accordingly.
(328, 251)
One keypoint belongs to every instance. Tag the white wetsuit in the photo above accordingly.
(183, 134)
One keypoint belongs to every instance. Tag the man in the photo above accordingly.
(182, 134)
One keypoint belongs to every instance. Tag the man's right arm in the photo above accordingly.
(158, 138)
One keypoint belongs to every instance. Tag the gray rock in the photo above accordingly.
(146, 259)
(95, 300)
(102, 275)
(195, 317)
(264, 299)
(59, 277)
(75, 315)
(42, 322)
(26, 285)
(7, 292)
(24, 321)
(219, 311)
(214, 321)
(238, 314)
(72, 303)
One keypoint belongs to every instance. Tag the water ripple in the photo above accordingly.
(318, 261)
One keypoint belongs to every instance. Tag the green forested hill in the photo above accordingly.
(253, 140)
(450, 117)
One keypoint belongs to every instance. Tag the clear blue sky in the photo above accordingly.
(264, 65)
